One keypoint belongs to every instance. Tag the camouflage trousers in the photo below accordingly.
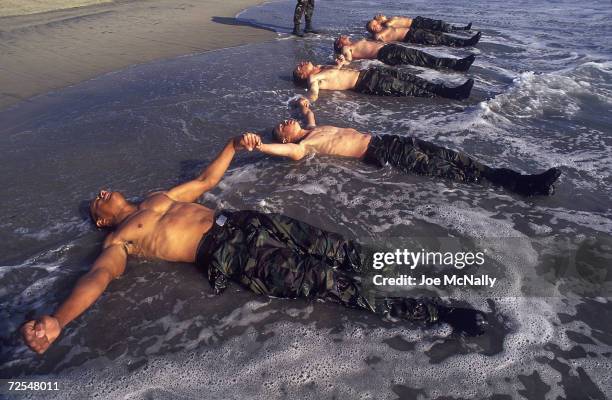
(436, 25)
(413, 155)
(416, 156)
(384, 81)
(396, 54)
(278, 256)
(306, 8)
(423, 36)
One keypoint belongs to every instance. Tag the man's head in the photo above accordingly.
(288, 131)
(342, 41)
(105, 208)
(374, 26)
(382, 18)
(303, 70)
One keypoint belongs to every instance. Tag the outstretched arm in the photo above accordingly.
(313, 86)
(385, 35)
(304, 106)
(345, 58)
(210, 177)
(39, 334)
(290, 150)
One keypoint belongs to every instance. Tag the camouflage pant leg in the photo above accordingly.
(422, 36)
(278, 256)
(387, 82)
(281, 272)
(408, 84)
(284, 272)
(306, 239)
(396, 54)
(303, 7)
(347, 291)
(424, 158)
(450, 164)
(252, 245)
(431, 24)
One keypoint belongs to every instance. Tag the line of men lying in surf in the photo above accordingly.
(272, 254)
(389, 81)
(406, 153)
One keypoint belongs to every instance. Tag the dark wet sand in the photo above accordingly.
(47, 51)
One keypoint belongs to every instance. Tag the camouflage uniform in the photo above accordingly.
(278, 256)
(436, 25)
(397, 54)
(306, 8)
(382, 81)
(423, 36)
(413, 155)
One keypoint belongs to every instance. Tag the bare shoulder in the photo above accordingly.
(156, 201)
(113, 238)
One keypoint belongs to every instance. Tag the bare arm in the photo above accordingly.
(210, 177)
(345, 58)
(314, 89)
(290, 150)
(398, 22)
(39, 334)
(304, 106)
(348, 54)
(385, 35)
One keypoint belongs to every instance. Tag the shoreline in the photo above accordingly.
(47, 51)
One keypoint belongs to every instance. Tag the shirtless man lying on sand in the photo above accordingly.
(380, 21)
(406, 153)
(394, 54)
(378, 81)
(417, 33)
(270, 254)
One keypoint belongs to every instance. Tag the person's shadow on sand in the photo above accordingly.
(251, 23)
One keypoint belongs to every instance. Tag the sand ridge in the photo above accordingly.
(50, 50)
(24, 7)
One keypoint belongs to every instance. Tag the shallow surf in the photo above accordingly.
(543, 98)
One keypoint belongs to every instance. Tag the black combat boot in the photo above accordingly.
(296, 30)
(309, 29)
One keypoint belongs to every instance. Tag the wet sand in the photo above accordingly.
(49, 50)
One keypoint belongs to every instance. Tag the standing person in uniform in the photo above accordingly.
(306, 8)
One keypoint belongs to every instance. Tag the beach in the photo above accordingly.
(45, 46)
(542, 98)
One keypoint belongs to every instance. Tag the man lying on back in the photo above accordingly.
(374, 81)
(406, 153)
(418, 31)
(380, 21)
(394, 54)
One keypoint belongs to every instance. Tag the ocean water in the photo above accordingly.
(542, 98)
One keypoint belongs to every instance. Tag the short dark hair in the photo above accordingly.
(338, 46)
(273, 134)
(369, 26)
(85, 211)
(298, 80)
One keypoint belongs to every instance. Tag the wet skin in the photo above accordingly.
(330, 77)
(391, 34)
(361, 50)
(297, 142)
(166, 226)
